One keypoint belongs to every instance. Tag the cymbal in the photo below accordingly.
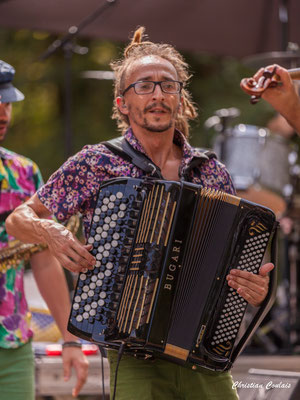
(106, 75)
(287, 59)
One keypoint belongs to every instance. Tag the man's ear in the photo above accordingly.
(121, 105)
(180, 105)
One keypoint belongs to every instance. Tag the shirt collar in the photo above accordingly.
(6, 154)
(180, 140)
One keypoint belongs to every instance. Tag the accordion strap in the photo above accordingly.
(122, 148)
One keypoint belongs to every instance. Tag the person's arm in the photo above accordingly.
(52, 284)
(29, 224)
(284, 98)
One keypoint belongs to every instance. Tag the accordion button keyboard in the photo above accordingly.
(79, 318)
(111, 235)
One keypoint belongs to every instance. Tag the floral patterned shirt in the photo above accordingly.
(19, 180)
(73, 187)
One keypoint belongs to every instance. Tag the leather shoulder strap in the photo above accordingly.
(122, 148)
(197, 161)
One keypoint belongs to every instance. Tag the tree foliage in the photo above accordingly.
(38, 126)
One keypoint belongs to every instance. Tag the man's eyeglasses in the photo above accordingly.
(147, 87)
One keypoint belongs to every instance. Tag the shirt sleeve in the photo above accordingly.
(74, 185)
(216, 175)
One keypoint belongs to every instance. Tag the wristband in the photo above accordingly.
(71, 344)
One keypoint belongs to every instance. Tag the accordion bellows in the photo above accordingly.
(163, 251)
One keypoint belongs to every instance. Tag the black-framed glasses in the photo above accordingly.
(147, 87)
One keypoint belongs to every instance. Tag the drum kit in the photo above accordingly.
(263, 164)
(260, 163)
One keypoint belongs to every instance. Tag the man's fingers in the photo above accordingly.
(258, 74)
(81, 378)
(248, 296)
(245, 284)
(252, 287)
(248, 276)
(265, 269)
(73, 358)
(71, 253)
(66, 370)
(83, 251)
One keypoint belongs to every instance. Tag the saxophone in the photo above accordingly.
(11, 256)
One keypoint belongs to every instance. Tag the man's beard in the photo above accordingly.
(157, 128)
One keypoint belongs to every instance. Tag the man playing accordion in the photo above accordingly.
(152, 108)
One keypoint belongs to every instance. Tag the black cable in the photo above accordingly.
(120, 353)
(103, 354)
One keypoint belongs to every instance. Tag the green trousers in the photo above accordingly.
(162, 380)
(17, 373)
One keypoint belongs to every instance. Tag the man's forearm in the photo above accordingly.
(28, 223)
(293, 117)
(29, 227)
(48, 274)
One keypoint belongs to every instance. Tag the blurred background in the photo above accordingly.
(216, 41)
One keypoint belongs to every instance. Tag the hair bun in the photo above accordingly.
(137, 40)
(138, 35)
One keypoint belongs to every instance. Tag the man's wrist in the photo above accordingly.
(71, 343)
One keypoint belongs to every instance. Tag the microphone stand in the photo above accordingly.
(69, 48)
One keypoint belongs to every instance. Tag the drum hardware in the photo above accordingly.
(221, 117)
(272, 335)
(220, 121)
(259, 163)
(289, 58)
(292, 199)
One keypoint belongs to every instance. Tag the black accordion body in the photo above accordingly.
(163, 251)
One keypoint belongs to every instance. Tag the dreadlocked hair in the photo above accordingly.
(139, 48)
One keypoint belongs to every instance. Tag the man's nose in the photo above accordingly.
(158, 93)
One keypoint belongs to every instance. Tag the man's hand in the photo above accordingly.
(251, 287)
(283, 97)
(68, 250)
(73, 357)
(29, 223)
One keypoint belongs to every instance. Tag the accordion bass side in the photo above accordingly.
(163, 251)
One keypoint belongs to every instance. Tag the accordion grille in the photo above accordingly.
(142, 279)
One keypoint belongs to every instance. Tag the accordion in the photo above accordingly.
(163, 251)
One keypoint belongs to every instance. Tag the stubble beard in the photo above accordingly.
(159, 128)
(156, 128)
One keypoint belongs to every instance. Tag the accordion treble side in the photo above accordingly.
(163, 251)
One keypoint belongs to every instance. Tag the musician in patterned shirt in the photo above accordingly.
(19, 180)
(152, 107)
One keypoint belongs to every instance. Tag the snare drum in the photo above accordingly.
(259, 163)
